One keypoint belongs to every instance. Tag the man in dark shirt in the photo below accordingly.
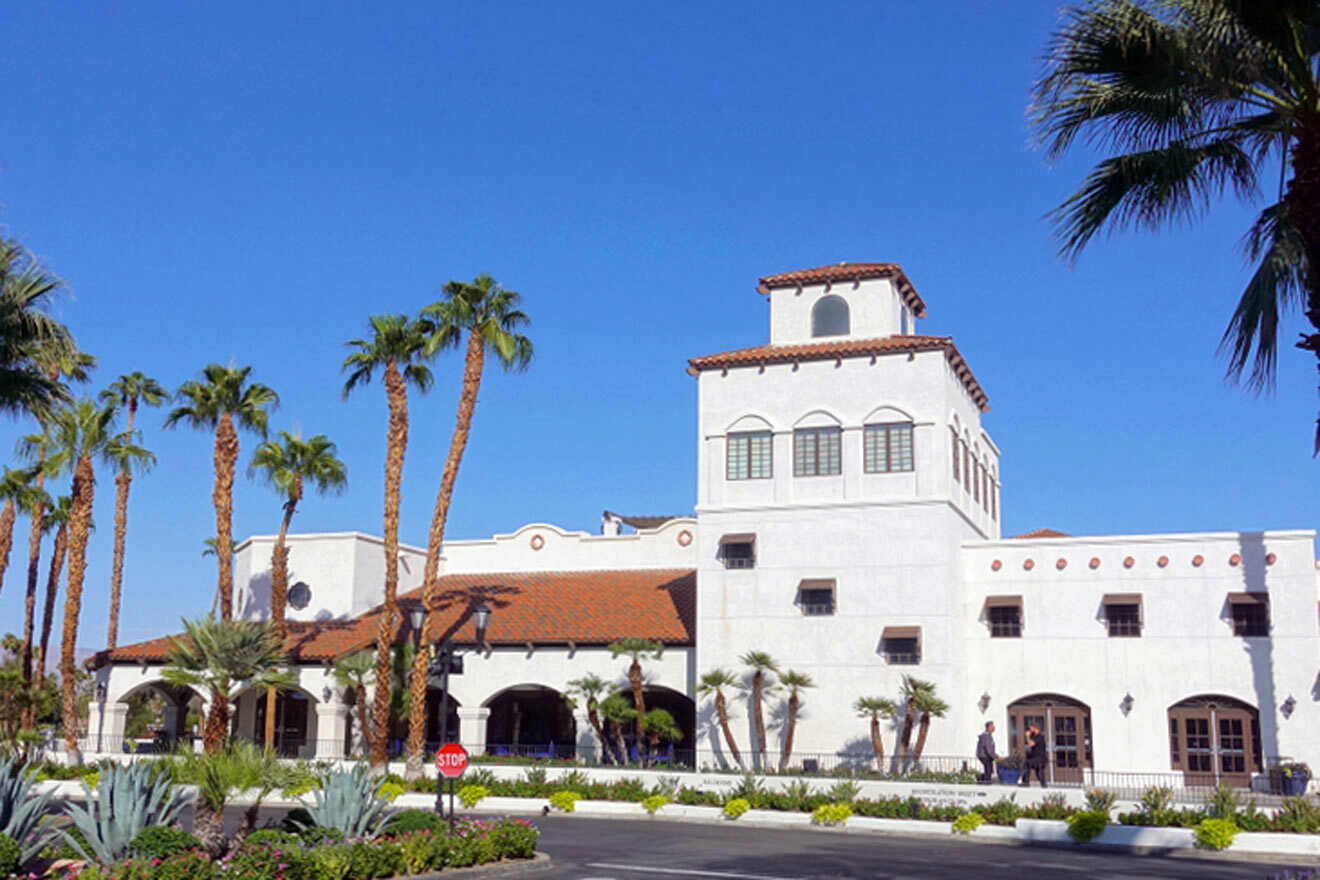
(1037, 756)
(985, 752)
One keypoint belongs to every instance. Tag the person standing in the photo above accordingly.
(985, 753)
(1037, 756)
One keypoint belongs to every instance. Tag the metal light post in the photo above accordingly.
(444, 659)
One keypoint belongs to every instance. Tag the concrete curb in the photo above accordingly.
(538, 863)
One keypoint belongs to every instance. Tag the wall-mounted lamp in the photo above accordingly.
(1126, 703)
(100, 692)
(984, 702)
(327, 693)
(1288, 706)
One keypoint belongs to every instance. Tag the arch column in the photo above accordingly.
(588, 746)
(331, 728)
(105, 726)
(472, 728)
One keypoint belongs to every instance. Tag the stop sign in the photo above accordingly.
(451, 760)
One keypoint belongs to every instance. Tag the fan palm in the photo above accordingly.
(760, 663)
(588, 689)
(1193, 98)
(928, 706)
(15, 486)
(712, 684)
(635, 649)
(795, 683)
(209, 548)
(912, 689)
(26, 290)
(287, 465)
(32, 502)
(221, 399)
(396, 347)
(617, 712)
(59, 519)
(128, 392)
(223, 657)
(85, 431)
(876, 708)
(660, 725)
(486, 318)
(356, 672)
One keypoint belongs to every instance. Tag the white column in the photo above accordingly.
(105, 727)
(472, 728)
(588, 746)
(331, 728)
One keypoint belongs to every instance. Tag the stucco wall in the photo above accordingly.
(875, 309)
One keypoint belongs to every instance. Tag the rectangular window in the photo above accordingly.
(994, 501)
(748, 456)
(957, 473)
(887, 448)
(817, 452)
(1251, 614)
(1004, 614)
(976, 482)
(738, 551)
(1124, 620)
(967, 466)
(985, 490)
(816, 601)
(901, 645)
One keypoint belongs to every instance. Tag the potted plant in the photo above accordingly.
(1291, 778)
(1009, 767)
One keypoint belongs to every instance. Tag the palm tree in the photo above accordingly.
(912, 690)
(59, 519)
(928, 706)
(210, 548)
(222, 398)
(489, 317)
(32, 502)
(588, 689)
(636, 649)
(616, 712)
(356, 672)
(14, 488)
(760, 663)
(286, 465)
(712, 684)
(876, 708)
(795, 683)
(660, 725)
(1194, 97)
(85, 432)
(224, 657)
(128, 392)
(26, 290)
(396, 347)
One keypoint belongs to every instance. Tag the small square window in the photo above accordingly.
(738, 554)
(901, 651)
(1123, 620)
(1251, 619)
(816, 601)
(1005, 621)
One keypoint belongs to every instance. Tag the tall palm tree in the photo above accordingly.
(760, 663)
(588, 689)
(223, 657)
(912, 690)
(356, 673)
(128, 392)
(15, 485)
(487, 317)
(210, 548)
(59, 519)
(396, 347)
(635, 649)
(712, 684)
(1192, 98)
(32, 502)
(795, 683)
(928, 706)
(876, 708)
(286, 465)
(224, 401)
(85, 431)
(616, 712)
(26, 291)
(660, 725)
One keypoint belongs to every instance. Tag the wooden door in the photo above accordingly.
(1213, 745)
(1067, 732)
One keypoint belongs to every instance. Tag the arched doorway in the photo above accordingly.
(295, 721)
(1214, 739)
(1066, 724)
(159, 716)
(434, 737)
(684, 712)
(532, 720)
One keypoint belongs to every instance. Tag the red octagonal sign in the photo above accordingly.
(451, 760)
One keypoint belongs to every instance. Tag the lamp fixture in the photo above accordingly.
(1126, 703)
(417, 617)
(481, 617)
(1288, 706)
(101, 691)
(984, 702)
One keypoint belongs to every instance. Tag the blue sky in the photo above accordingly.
(250, 182)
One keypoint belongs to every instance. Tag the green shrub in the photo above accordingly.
(316, 835)
(408, 821)
(376, 858)
(1087, 825)
(653, 804)
(967, 823)
(191, 865)
(1052, 806)
(565, 800)
(1157, 803)
(629, 788)
(1002, 812)
(471, 795)
(831, 814)
(845, 792)
(1098, 800)
(161, 841)
(1215, 834)
(11, 855)
(514, 839)
(736, 807)
(329, 862)
(264, 861)
(390, 791)
(423, 851)
(535, 776)
(1223, 802)
(276, 836)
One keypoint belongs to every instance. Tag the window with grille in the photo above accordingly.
(1005, 621)
(1124, 620)
(976, 482)
(816, 601)
(1251, 618)
(901, 651)
(967, 466)
(887, 448)
(738, 554)
(748, 456)
(957, 473)
(817, 452)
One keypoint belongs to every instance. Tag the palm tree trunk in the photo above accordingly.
(226, 456)
(921, 736)
(80, 525)
(122, 481)
(877, 744)
(1303, 206)
(793, 704)
(57, 555)
(635, 683)
(279, 591)
(758, 681)
(467, 405)
(364, 730)
(215, 730)
(722, 711)
(33, 573)
(396, 443)
(619, 743)
(594, 718)
(6, 537)
(905, 740)
(208, 827)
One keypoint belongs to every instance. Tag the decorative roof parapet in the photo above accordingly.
(844, 272)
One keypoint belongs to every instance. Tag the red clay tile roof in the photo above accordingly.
(823, 351)
(1041, 533)
(839, 272)
(583, 607)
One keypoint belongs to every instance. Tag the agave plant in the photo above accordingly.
(126, 800)
(21, 808)
(350, 802)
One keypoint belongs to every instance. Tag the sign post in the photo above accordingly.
(450, 762)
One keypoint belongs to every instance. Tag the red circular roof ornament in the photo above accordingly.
(1029, 564)
(1128, 562)
(684, 538)
(1235, 559)
(1162, 561)
(1061, 564)
(1270, 558)
(451, 760)
(1095, 562)
(996, 565)
(1197, 560)
(537, 542)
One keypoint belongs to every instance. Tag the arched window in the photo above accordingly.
(1214, 739)
(829, 317)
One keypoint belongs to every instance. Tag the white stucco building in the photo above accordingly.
(847, 522)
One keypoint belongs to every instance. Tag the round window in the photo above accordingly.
(300, 596)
